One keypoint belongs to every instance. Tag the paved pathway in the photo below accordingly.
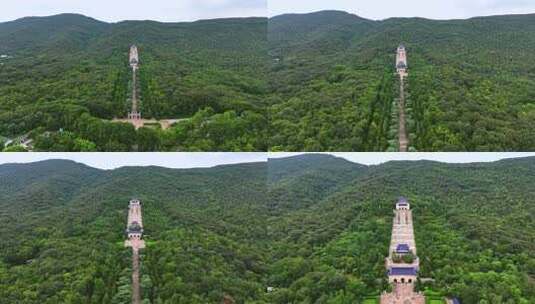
(402, 233)
(136, 292)
(139, 123)
(134, 240)
(134, 116)
(402, 133)
(402, 294)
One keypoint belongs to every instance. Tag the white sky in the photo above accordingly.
(201, 160)
(118, 10)
(382, 9)
(190, 10)
(115, 160)
(374, 158)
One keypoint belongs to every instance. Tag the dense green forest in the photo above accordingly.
(63, 77)
(305, 229)
(470, 86)
(63, 224)
(319, 82)
(331, 228)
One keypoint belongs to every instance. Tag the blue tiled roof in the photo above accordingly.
(402, 248)
(403, 271)
(402, 200)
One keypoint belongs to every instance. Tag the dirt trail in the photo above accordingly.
(402, 130)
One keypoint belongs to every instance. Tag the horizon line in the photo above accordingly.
(130, 20)
(211, 160)
(379, 158)
(270, 16)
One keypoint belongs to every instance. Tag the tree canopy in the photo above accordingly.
(306, 229)
(70, 73)
(470, 83)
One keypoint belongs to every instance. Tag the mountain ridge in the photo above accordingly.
(307, 159)
(342, 12)
(78, 17)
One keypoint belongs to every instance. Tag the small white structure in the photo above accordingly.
(134, 56)
(134, 226)
(403, 204)
(401, 61)
(134, 115)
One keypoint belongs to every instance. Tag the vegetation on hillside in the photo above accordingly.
(470, 84)
(70, 73)
(325, 80)
(473, 228)
(63, 225)
(307, 229)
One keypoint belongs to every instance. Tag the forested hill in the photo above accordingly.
(315, 228)
(63, 224)
(322, 175)
(61, 72)
(41, 34)
(324, 31)
(473, 227)
(470, 82)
